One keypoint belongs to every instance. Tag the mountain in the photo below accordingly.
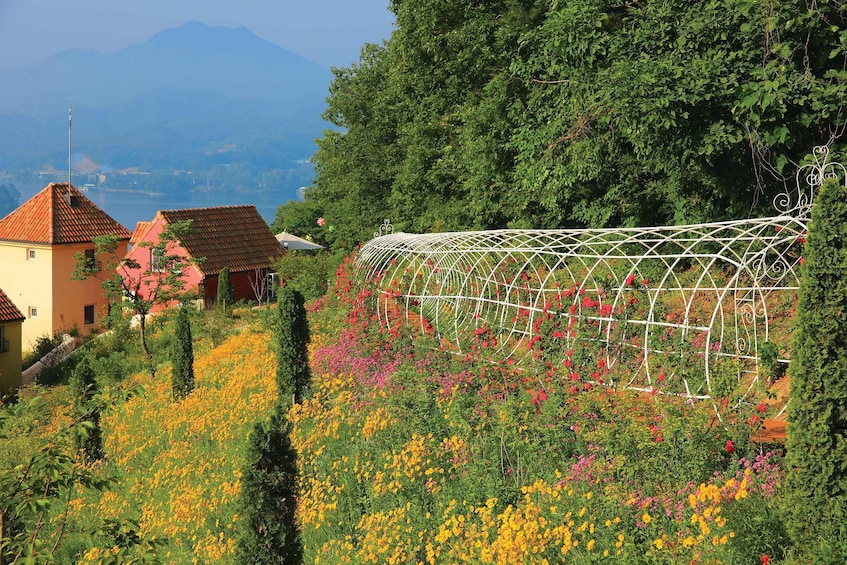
(172, 101)
(230, 61)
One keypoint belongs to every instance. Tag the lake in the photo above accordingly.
(129, 207)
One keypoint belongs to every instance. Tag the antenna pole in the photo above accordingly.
(70, 112)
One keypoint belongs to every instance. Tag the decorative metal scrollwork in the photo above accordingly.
(675, 308)
(809, 179)
(384, 229)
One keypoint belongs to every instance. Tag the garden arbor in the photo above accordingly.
(702, 310)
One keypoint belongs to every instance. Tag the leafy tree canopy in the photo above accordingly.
(577, 113)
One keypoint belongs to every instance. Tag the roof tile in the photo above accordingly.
(8, 311)
(58, 215)
(227, 236)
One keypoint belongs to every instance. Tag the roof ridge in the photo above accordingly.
(209, 208)
(51, 210)
(73, 220)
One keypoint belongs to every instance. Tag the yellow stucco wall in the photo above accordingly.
(45, 283)
(28, 283)
(10, 361)
(70, 297)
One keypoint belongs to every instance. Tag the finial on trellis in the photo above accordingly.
(809, 179)
(384, 229)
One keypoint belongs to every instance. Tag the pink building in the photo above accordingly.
(225, 236)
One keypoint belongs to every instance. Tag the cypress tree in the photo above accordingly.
(182, 357)
(292, 340)
(83, 386)
(817, 414)
(226, 293)
(268, 496)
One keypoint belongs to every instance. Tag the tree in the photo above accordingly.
(39, 487)
(9, 197)
(268, 496)
(817, 414)
(83, 386)
(182, 356)
(136, 288)
(226, 294)
(292, 340)
(534, 114)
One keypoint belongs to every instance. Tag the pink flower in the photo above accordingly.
(321, 221)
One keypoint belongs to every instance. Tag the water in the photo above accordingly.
(129, 207)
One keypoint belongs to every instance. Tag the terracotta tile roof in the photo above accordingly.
(8, 311)
(227, 236)
(52, 217)
(141, 229)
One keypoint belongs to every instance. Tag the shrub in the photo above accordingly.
(292, 339)
(226, 293)
(268, 496)
(84, 390)
(817, 415)
(182, 357)
(43, 346)
(305, 272)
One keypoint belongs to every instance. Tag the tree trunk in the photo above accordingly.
(2, 533)
(142, 318)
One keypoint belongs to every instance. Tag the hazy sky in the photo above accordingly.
(328, 32)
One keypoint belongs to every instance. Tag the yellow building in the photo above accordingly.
(38, 243)
(10, 344)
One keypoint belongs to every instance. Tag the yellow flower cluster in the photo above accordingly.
(181, 461)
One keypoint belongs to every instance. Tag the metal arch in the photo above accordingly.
(708, 294)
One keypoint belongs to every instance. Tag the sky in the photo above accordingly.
(328, 32)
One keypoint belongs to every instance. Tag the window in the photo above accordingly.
(33, 311)
(88, 314)
(4, 343)
(30, 254)
(156, 260)
(91, 261)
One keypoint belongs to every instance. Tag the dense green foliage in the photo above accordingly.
(9, 197)
(182, 356)
(268, 496)
(307, 272)
(226, 293)
(292, 339)
(84, 389)
(817, 429)
(575, 113)
(135, 287)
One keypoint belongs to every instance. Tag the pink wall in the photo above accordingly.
(141, 255)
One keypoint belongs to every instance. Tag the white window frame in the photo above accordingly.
(156, 261)
(33, 312)
(30, 254)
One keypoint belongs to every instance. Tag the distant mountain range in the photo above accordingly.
(191, 97)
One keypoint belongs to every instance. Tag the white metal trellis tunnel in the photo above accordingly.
(677, 309)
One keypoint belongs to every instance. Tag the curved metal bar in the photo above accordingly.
(678, 309)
